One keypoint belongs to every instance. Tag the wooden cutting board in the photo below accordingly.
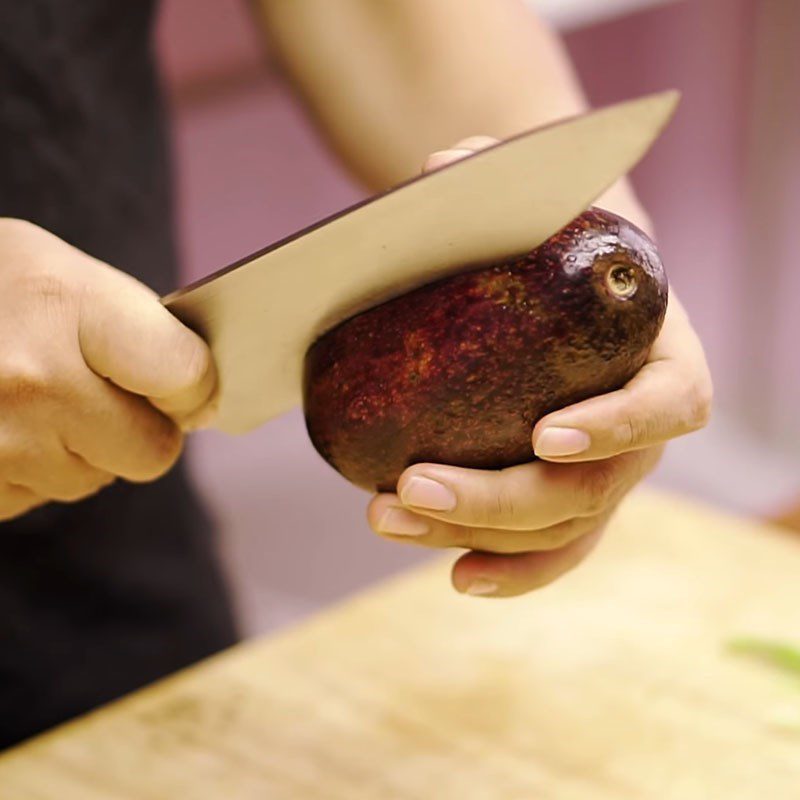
(612, 684)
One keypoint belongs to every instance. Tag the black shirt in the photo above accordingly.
(99, 597)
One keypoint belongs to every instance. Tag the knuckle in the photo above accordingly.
(54, 298)
(466, 537)
(599, 486)
(485, 540)
(25, 379)
(505, 505)
(625, 433)
(496, 507)
(632, 429)
(32, 266)
(44, 298)
(46, 285)
(699, 404)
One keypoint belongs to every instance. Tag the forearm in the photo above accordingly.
(389, 82)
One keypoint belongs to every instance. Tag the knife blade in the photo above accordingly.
(260, 314)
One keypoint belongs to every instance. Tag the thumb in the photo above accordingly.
(462, 149)
(670, 396)
(128, 337)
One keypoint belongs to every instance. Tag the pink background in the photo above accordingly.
(250, 169)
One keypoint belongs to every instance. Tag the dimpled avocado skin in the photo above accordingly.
(459, 371)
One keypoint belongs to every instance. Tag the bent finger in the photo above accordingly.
(389, 519)
(121, 434)
(669, 397)
(65, 477)
(129, 337)
(526, 497)
(490, 575)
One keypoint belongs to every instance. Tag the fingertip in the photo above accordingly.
(586, 431)
(200, 420)
(427, 492)
(421, 470)
(193, 362)
(197, 405)
(556, 441)
(128, 337)
(498, 575)
(468, 569)
(478, 574)
(441, 158)
(190, 398)
(378, 506)
(163, 450)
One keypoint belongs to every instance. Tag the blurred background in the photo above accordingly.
(723, 187)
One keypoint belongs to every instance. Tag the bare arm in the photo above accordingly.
(391, 81)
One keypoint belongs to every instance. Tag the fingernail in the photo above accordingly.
(427, 493)
(554, 442)
(400, 522)
(441, 158)
(481, 587)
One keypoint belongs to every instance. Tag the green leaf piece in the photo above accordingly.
(781, 655)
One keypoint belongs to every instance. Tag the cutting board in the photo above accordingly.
(612, 684)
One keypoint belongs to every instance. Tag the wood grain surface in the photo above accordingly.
(612, 684)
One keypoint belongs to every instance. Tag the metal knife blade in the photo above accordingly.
(262, 313)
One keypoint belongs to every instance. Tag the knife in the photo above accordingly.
(260, 314)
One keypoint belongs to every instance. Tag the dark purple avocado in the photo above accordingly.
(459, 371)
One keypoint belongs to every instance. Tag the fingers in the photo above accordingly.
(54, 474)
(388, 518)
(527, 497)
(466, 147)
(670, 396)
(108, 433)
(59, 475)
(490, 575)
(524, 526)
(17, 500)
(83, 350)
(127, 336)
(120, 433)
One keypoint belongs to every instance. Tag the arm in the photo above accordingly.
(391, 81)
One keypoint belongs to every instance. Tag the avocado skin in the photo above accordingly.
(458, 371)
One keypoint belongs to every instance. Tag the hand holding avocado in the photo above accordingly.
(527, 524)
(96, 376)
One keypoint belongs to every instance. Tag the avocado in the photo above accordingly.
(458, 371)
